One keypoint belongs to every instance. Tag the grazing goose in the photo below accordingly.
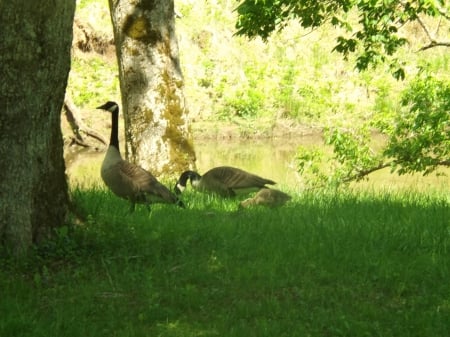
(267, 197)
(225, 181)
(127, 180)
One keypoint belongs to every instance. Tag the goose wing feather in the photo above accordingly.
(145, 187)
(232, 177)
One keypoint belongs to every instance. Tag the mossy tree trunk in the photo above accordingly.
(156, 118)
(35, 41)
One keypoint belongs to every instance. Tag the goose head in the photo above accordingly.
(109, 106)
(194, 178)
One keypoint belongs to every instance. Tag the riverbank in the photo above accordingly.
(242, 129)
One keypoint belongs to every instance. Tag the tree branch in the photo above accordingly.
(363, 173)
(425, 29)
(433, 44)
(444, 163)
(444, 13)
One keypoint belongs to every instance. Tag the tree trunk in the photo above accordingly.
(156, 118)
(35, 46)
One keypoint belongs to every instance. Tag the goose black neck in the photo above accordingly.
(184, 178)
(188, 175)
(114, 140)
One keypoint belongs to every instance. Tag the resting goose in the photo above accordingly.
(225, 181)
(127, 180)
(267, 197)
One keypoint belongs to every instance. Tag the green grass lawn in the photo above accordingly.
(365, 264)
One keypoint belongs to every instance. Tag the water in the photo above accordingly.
(269, 158)
(274, 159)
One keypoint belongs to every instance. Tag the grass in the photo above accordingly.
(351, 264)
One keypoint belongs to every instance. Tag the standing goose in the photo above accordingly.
(127, 180)
(225, 181)
(267, 197)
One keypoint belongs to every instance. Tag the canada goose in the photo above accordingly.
(267, 197)
(225, 181)
(127, 180)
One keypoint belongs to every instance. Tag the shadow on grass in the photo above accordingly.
(365, 264)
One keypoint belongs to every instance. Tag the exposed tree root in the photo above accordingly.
(79, 128)
(86, 39)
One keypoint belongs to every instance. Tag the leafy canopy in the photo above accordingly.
(374, 36)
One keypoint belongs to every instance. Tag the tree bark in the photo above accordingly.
(156, 117)
(35, 47)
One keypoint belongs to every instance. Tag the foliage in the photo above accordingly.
(417, 137)
(376, 38)
(420, 140)
(293, 76)
(335, 264)
(353, 158)
(92, 86)
(245, 104)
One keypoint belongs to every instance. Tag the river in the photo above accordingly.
(270, 158)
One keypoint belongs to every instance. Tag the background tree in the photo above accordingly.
(418, 132)
(34, 65)
(156, 117)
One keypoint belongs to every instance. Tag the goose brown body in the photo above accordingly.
(226, 181)
(132, 182)
(127, 180)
